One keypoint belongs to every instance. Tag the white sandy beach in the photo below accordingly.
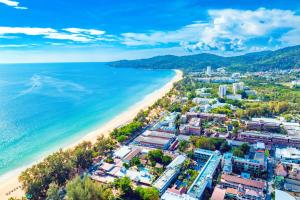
(9, 181)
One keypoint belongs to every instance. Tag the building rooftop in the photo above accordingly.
(169, 195)
(218, 194)
(287, 153)
(152, 140)
(122, 152)
(132, 154)
(172, 169)
(242, 181)
(158, 134)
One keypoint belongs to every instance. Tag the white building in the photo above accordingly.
(234, 97)
(237, 87)
(208, 71)
(222, 91)
(288, 154)
(171, 172)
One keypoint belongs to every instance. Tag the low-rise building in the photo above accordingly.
(288, 154)
(269, 138)
(234, 96)
(155, 139)
(227, 163)
(254, 167)
(242, 184)
(204, 179)
(192, 128)
(171, 172)
(133, 153)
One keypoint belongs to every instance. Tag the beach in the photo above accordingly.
(9, 182)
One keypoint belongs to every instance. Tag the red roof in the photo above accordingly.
(247, 182)
(218, 194)
(232, 191)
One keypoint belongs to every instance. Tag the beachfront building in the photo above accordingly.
(205, 177)
(155, 139)
(171, 172)
(167, 124)
(133, 153)
(122, 152)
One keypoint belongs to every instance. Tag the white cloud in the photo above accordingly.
(72, 34)
(26, 30)
(14, 4)
(226, 30)
(88, 31)
(72, 37)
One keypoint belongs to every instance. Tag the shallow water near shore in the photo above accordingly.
(46, 106)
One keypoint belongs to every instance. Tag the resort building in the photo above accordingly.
(167, 124)
(155, 139)
(135, 152)
(205, 177)
(171, 172)
(122, 152)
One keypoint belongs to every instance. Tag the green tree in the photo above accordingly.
(166, 160)
(245, 148)
(147, 193)
(83, 155)
(183, 145)
(225, 147)
(53, 193)
(135, 161)
(238, 152)
(124, 184)
(86, 189)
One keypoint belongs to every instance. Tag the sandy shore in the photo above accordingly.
(9, 182)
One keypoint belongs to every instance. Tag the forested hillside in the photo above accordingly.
(285, 58)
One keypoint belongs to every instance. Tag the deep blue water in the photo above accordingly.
(45, 106)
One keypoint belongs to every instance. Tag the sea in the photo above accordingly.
(44, 107)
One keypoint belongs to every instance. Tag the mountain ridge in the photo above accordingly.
(285, 58)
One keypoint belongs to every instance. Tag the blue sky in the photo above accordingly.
(105, 30)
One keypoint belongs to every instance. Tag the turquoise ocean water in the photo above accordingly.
(46, 106)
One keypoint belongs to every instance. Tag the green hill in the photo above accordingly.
(285, 58)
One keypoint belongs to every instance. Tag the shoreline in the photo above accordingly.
(9, 181)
